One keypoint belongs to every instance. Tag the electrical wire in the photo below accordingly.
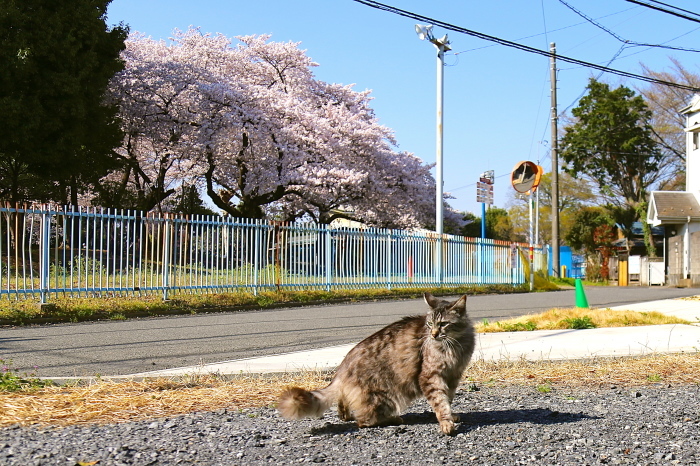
(573, 102)
(677, 8)
(670, 40)
(474, 184)
(525, 48)
(664, 10)
(544, 83)
(621, 39)
(545, 32)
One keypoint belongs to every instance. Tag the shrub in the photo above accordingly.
(12, 381)
(579, 323)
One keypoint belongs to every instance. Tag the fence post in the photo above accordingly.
(438, 260)
(44, 248)
(480, 261)
(389, 268)
(277, 270)
(257, 224)
(329, 259)
(166, 255)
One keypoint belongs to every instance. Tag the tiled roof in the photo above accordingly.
(678, 205)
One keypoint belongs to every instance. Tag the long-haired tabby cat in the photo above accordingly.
(385, 372)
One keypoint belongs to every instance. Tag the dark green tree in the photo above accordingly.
(498, 224)
(472, 228)
(581, 236)
(57, 135)
(611, 142)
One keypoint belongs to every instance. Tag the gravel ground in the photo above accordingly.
(501, 426)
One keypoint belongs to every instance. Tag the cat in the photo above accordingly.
(419, 355)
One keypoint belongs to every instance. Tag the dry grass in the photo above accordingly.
(113, 402)
(557, 319)
(671, 369)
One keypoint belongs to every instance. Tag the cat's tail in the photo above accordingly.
(297, 403)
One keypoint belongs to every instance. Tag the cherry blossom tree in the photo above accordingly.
(251, 123)
(158, 95)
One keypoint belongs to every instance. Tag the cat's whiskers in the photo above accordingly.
(452, 344)
(456, 342)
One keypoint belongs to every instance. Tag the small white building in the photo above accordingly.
(679, 211)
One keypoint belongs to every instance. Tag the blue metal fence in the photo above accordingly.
(46, 252)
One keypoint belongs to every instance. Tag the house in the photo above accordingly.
(632, 265)
(633, 243)
(679, 211)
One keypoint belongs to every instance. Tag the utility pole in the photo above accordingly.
(442, 45)
(555, 164)
(532, 243)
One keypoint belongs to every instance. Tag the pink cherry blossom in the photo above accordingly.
(250, 124)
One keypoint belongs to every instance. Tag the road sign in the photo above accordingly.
(487, 177)
(484, 192)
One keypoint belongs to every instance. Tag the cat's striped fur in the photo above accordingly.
(420, 355)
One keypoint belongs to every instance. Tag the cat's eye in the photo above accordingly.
(429, 324)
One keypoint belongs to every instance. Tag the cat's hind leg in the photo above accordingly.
(344, 412)
(378, 414)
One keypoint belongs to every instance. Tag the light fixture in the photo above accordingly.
(424, 32)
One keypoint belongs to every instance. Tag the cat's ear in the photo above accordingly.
(460, 306)
(430, 300)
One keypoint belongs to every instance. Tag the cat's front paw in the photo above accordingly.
(448, 427)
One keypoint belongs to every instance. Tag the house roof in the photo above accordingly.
(693, 106)
(673, 207)
(638, 230)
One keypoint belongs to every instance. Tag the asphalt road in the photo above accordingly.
(127, 347)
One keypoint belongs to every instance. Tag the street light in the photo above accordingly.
(442, 45)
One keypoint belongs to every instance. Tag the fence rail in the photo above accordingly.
(47, 252)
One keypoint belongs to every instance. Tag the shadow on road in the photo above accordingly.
(468, 421)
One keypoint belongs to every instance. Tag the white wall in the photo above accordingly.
(692, 145)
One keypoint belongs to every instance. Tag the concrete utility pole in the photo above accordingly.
(442, 45)
(555, 165)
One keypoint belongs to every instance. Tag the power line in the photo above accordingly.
(677, 8)
(670, 40)
(664, 10)
(617, 54)
(525, 48)
(621, 39)
(474, 184)
(546, 32)
(592, 21)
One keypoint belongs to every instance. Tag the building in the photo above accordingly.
(679, 211)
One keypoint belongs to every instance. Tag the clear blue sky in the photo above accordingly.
(497, 99)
